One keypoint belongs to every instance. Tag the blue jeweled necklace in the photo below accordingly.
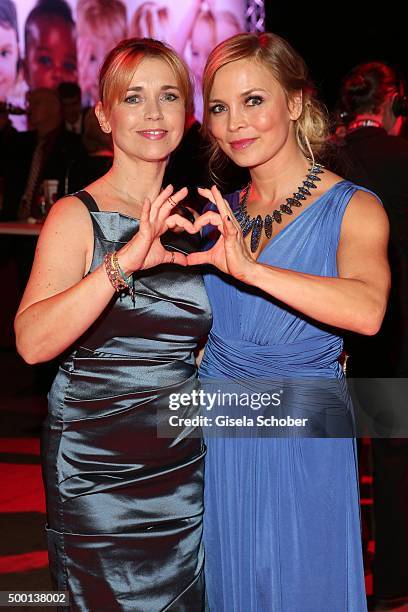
(256, 224)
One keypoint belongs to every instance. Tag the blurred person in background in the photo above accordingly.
(99, 148)
(43, 152)
(373, 105)
(71, 107)
(34, 159)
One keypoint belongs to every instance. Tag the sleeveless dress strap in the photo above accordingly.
(88, 200)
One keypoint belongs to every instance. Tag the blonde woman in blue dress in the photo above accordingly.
(282, 530)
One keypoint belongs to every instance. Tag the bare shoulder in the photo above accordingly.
(365, 209)
(365, 222)
(63, 251)
(361, 203)
(70, 210)
(362, 249)
(68, 221)
(67, 234)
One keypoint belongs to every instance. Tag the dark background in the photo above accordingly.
(333, 37)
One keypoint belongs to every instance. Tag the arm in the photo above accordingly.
(59, 303)
(355, 301)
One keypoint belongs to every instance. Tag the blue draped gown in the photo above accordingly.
(282, 524)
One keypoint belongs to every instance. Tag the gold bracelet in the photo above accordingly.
(115, 263)
(116, 275)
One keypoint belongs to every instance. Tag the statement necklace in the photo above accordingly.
(256, 224)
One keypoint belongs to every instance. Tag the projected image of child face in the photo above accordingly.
(227, 25)
(92, 50)
(203, 40)
(8, 61)
(51, 53)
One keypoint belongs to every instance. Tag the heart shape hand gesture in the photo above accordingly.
(230, 253)
(145, 250)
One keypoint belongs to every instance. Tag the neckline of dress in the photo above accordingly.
(112, 212)
(301, 213)
(116, 212)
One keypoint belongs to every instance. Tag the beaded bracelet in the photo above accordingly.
(116, 275)
(115, 263)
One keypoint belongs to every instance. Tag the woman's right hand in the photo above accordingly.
(145, 250)
(230, 253)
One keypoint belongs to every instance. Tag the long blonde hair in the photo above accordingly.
(289, 70)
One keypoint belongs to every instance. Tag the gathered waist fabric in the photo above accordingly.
(235, 375)
(234, 358)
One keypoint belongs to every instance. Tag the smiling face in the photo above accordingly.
(51, 53)
(249, 114)
(8, 60)
(148, 123)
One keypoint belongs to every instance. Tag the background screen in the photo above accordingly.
(47, 42)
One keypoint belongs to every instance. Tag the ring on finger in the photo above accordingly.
(173, 255)
(171, 201)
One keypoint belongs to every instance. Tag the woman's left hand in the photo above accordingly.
(145, 250)
(230, 253)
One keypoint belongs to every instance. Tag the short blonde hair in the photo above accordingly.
(289, 70)
(122, 61)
